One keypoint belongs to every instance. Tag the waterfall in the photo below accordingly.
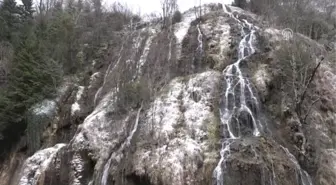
(199, 50)
(200, 40)
(273, 182)
(143, 57)
(303, 177)
(181, 30)
(114, 155)
(239, 103)
(106, 75)
(239, 106)
(224, 154)
(115, 64)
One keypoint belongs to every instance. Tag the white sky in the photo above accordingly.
(148, 6)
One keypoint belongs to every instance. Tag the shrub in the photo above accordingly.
(240, 3)
(296, 69)
(177, 17)
(132, 94)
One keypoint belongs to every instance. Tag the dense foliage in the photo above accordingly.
(39, 43)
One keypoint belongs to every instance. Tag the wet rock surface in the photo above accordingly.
(180, 136)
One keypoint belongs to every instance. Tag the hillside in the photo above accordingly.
(219, 98)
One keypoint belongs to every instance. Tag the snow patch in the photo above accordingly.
(95, 132)
(275, 34)
(94, 78)
(181, 29)
(261, 78)
(77, 165)
(144, 55)
(176, 120)
(75, 107)
(220, 37)
(46, 107)
(196, 96)
(165, 111)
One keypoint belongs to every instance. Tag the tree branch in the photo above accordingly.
(303, 95)
(310, 81)
(311, 106)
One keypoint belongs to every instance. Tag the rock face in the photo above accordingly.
(175, 135)
(213, 119)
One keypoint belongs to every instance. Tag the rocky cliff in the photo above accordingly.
(212, 112)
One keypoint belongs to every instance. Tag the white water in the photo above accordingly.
(199, 39)
(239, 106)
(239, 96)
(145, 52)
(107, 73)
(75, 107)
(224, 153)
(181, 30)
(238, 99)
(302, 175)
(122, 148)
(109, 70)
(199, 48)
(273, 182)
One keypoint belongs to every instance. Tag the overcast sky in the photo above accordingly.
(148, 6)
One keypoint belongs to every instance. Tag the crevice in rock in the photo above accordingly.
(134, 179)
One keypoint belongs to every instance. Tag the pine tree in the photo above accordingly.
(9, 21)
(27, 8)
(33, 77)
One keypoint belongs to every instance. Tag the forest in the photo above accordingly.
(40, 44)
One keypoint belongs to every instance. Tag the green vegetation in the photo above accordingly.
(39, 43)
(132, 94)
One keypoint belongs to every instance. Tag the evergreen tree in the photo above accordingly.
(41, 44)
(61, 32)
(27, 8)
(33, 77)
(9, 21)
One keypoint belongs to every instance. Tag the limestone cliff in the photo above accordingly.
(217, 114)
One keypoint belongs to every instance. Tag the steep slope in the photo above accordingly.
(192, 106)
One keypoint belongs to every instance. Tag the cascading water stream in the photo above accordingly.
(303, 177)
(110, 66)
(199, 49)
(272, 180)
(106, 75)
(143, 57)
(200, 40)
(121, 149)
(239, 107)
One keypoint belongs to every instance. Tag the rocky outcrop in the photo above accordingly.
(175, 137)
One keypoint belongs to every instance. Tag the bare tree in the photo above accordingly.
(298, 68)
(314, 18)
(198, 9)
(168, 9)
